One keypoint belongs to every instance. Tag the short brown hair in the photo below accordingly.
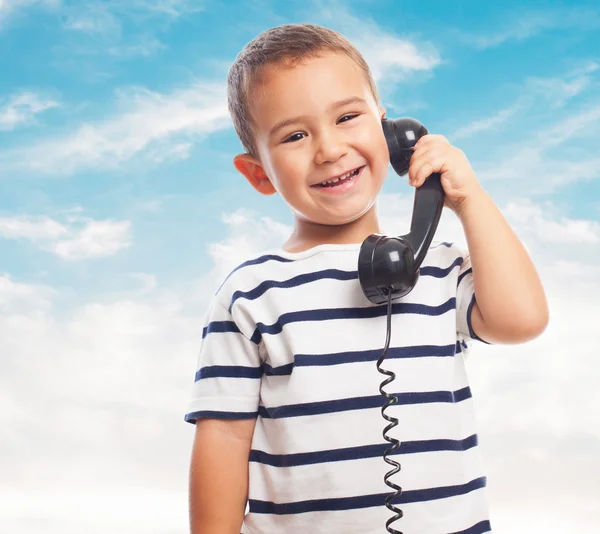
(287, 44)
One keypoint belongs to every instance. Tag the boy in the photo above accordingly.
(286, 401)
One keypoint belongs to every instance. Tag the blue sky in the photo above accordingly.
(120, 209)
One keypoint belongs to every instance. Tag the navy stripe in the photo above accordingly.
(220, 327)
(327, 314)
(214, 414)
(307, 278)
(282, 370)
(470, 325)
(440, 272)
(321, 360)
(461, 276)
(364, 501)
(228, 371)
(256, 337)
(361, 403)
(416, 351)
(479, 528)
(275, 257)
(358, 453)
(327, 274)
(256, 261)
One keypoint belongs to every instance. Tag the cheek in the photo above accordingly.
(381, 154)
(287, 173)
(375, 140)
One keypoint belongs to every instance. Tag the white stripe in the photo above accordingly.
(363, 427)
(365, 476)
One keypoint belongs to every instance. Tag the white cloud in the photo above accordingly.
(17, 296)
(148, 281)
(96, 239)
(548, 149)
(571, 126)
(101, 23)
(249, 233)
(144, 122)
(390, 57)
(525, 25)
(548, 94)
(7, 6)
(21, 109)
(121, 369)
(173, 8)
(536, 162)
(79, 238)
(92, 18)
(116, 511)
(558, 91)
(144, 46)
(33, 228)
(551, 228)
(9, 9)
(539, 171)
(486, 123)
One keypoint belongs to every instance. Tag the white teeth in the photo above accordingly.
(335, 180)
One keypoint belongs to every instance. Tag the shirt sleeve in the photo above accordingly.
(229, 370)
(465, 300)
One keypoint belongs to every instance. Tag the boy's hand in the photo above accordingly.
(433, 153)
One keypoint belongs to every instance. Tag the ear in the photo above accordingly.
(382, 112)
(253, 171)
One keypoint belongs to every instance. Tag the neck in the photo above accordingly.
(307, 234)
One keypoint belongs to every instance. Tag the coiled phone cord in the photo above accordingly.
(391, 399)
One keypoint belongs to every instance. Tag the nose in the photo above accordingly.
(330, 147)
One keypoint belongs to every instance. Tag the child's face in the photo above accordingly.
(323, 142)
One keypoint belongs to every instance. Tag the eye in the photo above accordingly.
(348, 117)
(292, 138)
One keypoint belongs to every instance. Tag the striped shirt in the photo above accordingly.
(290, 339)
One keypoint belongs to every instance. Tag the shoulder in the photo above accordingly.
(275, 273)
(445, 253)
(249, 273)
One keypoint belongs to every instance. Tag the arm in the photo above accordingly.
(511, 305)
(219, 475)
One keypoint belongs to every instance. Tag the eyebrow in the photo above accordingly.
(335, 105)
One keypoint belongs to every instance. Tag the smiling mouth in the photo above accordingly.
(336, 182)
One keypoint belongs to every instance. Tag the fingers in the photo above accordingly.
(430, 154)
(424, 164)
(431, 138)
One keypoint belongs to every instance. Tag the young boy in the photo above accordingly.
(286, 400)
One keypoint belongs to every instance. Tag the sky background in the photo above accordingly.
(120, 212)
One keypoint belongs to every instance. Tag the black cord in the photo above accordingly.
(391, 399)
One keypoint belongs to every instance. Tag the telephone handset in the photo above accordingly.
(391, 264)
(388, 268)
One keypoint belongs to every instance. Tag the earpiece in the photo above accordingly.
(390, 265)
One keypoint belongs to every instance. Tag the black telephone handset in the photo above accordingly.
(391, 264)
(388, 268)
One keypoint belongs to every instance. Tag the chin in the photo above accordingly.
(340, 218)
(343, 220)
